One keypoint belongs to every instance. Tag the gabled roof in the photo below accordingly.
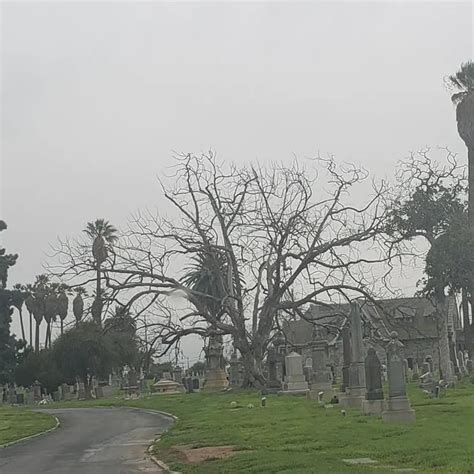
(412, 318)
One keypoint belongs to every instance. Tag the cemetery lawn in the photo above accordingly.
(295, 435)
(17, 423)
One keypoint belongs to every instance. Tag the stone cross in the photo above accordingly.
(373, 376)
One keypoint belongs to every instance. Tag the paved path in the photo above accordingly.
(89, 441)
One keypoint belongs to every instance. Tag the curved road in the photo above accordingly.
(89, 441)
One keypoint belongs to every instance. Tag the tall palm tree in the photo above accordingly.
(63, 304)
(40, 293)
(18, 298)
(103, 236)
(50, 310)
(30, 306)
(78, 304)
(463, 82)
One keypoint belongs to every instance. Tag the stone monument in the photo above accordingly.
(374, 402)
(216, 376)
(346, 354)
(397, 407)
(36, 391)
(273, 385)
(294, 383)
(235, 379)
(321, 379)
(355, 391)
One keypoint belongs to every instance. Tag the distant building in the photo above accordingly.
(415, 319)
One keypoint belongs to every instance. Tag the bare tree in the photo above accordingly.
(285, 237)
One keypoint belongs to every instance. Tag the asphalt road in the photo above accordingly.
(89, 441)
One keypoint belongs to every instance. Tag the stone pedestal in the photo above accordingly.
(353, 397)
(295, 383)
(398, 411)
(216, 380)
(373, 407)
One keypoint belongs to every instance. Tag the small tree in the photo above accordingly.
(83, 352)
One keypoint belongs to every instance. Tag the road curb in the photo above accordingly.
(162, 465)
(26, 438)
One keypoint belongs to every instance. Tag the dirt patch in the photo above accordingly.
(190, 455)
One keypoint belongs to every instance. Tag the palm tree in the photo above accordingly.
(18, 298)
(103, 236)
(63, 303)
(30, 305)
(50, 310)
(78, 304)
(40, 293)
(463, 82)
(206, 276)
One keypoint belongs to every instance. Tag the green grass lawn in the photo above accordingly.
(295, 435)
(17, 423)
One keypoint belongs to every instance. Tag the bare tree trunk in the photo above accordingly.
(470, 179)
(22, 325)
(37, 336)
(31, 329)
(62, 327)
(46, 340)
(99, 294)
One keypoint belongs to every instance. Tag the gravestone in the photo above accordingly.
(355, 392)
(188, 384)
(429, 360)
(11, 395)
(374, 401)
(178, 374)
(308, 369)
(321, 378)
(81, 391)
(56, 397)
(397, 407)
(273, 385)
(29, 397)
(234, 370)
(294, 383)
(469, 366)
(36, 391)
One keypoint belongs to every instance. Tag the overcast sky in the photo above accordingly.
(96, 96)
